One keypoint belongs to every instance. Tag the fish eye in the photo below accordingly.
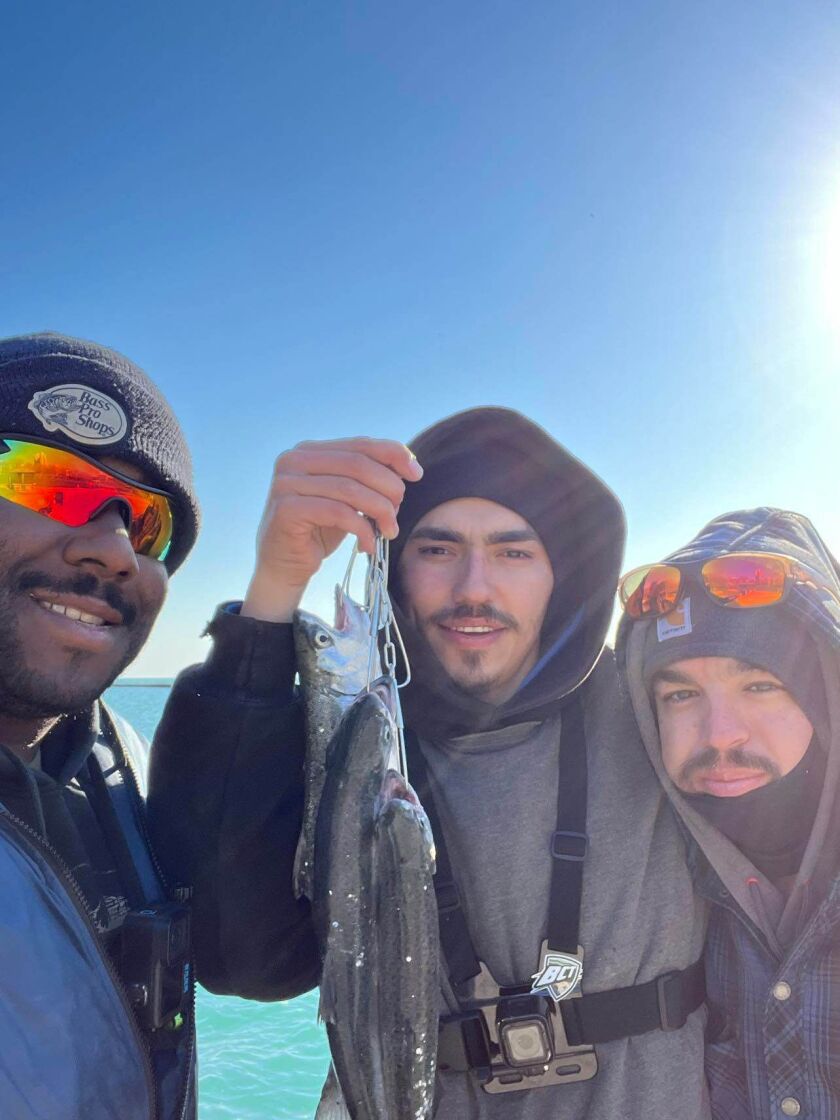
(322, 639)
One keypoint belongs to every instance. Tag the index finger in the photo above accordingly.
(388, 452)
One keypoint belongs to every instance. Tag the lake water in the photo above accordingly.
(256, 1061)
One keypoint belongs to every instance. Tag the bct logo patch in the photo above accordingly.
(86, 415)
(560, 976)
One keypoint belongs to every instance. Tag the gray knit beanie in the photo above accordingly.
(91, 399)
(769, 637)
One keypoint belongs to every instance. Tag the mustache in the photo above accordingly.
(710, 758)
(486, 612)
(83, 584)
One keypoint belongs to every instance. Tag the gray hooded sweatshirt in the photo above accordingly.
(772, 958)
(497, 797)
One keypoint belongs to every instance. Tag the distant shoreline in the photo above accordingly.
(155, 682)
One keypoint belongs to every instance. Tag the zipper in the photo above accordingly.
(74, 892)
(182, 1111)
(140, 821)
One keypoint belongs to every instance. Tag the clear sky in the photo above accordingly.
(311, 219)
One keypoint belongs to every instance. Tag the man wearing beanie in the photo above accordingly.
(731, 648)
(97, 509)
(556, 849)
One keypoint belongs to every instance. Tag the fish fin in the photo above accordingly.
(326, 1002)
(331, 1106)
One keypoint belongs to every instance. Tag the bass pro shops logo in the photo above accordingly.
(84, 414)
(559, 976)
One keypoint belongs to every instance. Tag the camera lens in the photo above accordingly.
(525, 1043)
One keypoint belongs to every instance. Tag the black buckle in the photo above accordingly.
(464, 1044)
(447, 897)
(573, 852)
(665, 1020)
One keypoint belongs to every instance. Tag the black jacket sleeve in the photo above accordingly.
(225, 805)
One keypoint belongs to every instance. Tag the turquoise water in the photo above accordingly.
(256, 1061)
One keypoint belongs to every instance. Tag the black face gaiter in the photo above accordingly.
(772, 824)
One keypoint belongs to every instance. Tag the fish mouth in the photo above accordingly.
(396, 788)
(385, 689)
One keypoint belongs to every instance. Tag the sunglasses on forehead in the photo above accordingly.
(739, 580)
(71, 488)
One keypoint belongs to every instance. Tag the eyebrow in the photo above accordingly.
(674, 676)
(748, 667)
(505, 536)
(671, 676)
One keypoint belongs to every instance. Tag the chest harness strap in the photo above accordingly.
(153, 950)
(468, 1040)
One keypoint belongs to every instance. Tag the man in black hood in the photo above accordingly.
(557, 855)
(499, 457)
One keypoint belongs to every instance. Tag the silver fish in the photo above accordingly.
(377, 925)
(333, 664)
(343, 904)
(407, 950)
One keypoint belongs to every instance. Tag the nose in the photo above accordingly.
(473, 582)
(102, 545)
(725, 728)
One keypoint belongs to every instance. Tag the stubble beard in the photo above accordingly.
(26, 693)
(470, 676)
(466, 667)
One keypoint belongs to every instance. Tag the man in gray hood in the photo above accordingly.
(552, 831)
(731, 649)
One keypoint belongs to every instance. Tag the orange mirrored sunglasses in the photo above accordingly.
(70, 488)
(740, 579)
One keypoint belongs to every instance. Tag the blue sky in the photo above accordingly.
(318, 219)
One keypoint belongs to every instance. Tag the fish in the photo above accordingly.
(376, 921)
(343, 902)
(56, 406)
(334, 663)
(407, 952)
(331, 1106)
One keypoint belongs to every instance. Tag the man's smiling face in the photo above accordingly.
(476, 581)
(726, 726)
(76, 605)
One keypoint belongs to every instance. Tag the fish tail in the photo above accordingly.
(331, 1105)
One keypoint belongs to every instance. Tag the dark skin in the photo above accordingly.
(76, 605)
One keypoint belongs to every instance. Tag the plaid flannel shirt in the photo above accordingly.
(773, 1048)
